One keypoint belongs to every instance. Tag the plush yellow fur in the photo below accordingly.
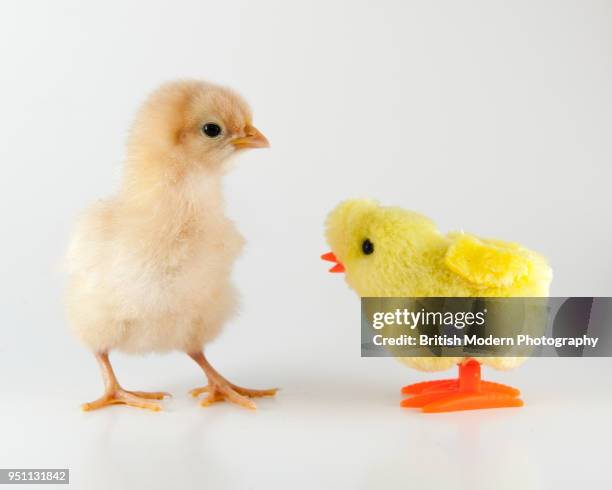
(413, 259)
(149, 269)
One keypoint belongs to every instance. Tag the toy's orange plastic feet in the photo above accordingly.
(468, 392)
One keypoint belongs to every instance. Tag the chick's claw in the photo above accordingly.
(198, 391)
(151, 395)
(253, 393)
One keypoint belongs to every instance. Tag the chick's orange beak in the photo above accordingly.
(331, 257)
(252, 139)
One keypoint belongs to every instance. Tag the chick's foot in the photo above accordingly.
(468, 392)
(114, 394)
(238, 389)
(119, 396)
(221, 392)
(220, 389)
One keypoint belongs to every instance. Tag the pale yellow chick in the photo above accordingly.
(149, 269)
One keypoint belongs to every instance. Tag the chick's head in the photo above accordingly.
(377, 246)
(193, 125)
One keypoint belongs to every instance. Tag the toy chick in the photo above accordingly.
(391, 252)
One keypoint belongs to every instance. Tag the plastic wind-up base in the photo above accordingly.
(467, 392)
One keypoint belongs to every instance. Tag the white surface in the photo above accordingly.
(494, 117)
(328, 428)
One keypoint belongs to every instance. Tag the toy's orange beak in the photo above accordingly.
(331, 257)
(253, 138)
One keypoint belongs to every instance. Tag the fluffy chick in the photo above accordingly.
(391, 252)
(149, 269)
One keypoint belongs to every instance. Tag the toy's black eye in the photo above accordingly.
(367, 246)
(211, 130)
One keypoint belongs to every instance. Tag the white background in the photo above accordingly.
(494, 117)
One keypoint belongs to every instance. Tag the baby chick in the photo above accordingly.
(391, 252)
(149, 269)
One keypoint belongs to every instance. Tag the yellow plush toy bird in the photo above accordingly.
(149, 269)
(391, 252)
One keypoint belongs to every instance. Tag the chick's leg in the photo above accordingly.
(114, 394)
(220, 389)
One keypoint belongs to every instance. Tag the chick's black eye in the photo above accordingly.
(211, 130)
(367, 246)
